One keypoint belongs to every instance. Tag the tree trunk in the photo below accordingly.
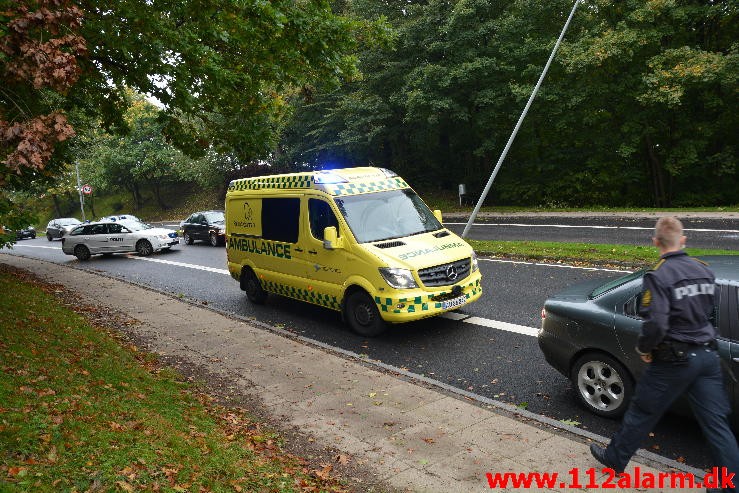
(136, 196)
(57, 210)
(657, 175)
(158, 195)
(92, 207)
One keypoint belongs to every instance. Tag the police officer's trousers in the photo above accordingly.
(701, 380)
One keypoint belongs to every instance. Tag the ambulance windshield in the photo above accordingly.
(386, 215)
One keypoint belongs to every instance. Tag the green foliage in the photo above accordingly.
(222, 69)
(637, 110)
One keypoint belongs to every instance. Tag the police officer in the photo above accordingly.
(677, 341)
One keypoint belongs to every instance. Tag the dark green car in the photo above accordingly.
(589, 333)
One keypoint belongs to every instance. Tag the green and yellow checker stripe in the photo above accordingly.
(280, 182)
(422, 303)
(302, 294)
(339, 189)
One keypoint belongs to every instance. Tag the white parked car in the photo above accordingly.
(120, 217)
(106, 237)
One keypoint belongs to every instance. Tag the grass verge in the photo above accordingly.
(83, 411)
(580, 253)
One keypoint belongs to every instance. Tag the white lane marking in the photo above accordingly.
(559, 266)
(37, 246)
(508, 327)
(583, 226)
(182, 264)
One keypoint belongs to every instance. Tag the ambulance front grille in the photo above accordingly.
(445, 274)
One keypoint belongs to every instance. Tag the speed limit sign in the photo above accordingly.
(86, 189)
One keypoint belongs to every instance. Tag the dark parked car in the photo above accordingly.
(208, 226)
(60, 226)
(589, 333)
(21, 234)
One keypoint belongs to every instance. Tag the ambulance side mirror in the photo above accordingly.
(331, 240)
(437, 215)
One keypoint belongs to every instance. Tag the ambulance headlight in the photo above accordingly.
(475, 266)
(398, 278)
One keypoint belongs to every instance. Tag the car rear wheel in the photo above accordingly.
(82, 252)
(188, 239)
(144, 248)
(253, 288)
(362, 315)
(602, 384)
(49, 237)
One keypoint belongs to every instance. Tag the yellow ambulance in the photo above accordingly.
(356, 240)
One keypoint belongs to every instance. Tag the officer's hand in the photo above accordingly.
(647, 358)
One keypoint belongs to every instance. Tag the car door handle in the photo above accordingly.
(313, 252)
(299, 250)
(736, 360)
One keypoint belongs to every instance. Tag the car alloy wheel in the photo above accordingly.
(144, 248)
(82, 252)
(602, 384)
(188, 239)
(362, 315)
(214, 239)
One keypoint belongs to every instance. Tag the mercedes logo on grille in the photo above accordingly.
(451, 273)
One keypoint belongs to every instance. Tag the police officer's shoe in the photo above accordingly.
(600, 455)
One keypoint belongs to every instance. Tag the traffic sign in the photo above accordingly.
(86, 189)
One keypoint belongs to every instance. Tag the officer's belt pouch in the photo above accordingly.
(671, 352)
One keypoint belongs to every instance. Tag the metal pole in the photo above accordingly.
(518, 125)
(79, 190)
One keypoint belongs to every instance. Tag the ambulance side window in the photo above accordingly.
(321, 216)
(280, 219)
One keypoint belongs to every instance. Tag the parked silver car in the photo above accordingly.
(60, 226)
(122, 236)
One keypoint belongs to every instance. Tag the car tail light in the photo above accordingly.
(543, 313)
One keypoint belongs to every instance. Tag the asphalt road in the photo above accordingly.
(702, 232)
(475, 357)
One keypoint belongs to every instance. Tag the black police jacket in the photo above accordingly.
(677, 302)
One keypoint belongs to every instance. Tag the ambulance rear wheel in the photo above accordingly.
(253, 288)
(362, 315)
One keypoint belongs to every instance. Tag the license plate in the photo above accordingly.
(459, 301)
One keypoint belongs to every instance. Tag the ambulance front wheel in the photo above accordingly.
(250, 283)
(362, 315)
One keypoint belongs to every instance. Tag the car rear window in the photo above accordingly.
(604, 288)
